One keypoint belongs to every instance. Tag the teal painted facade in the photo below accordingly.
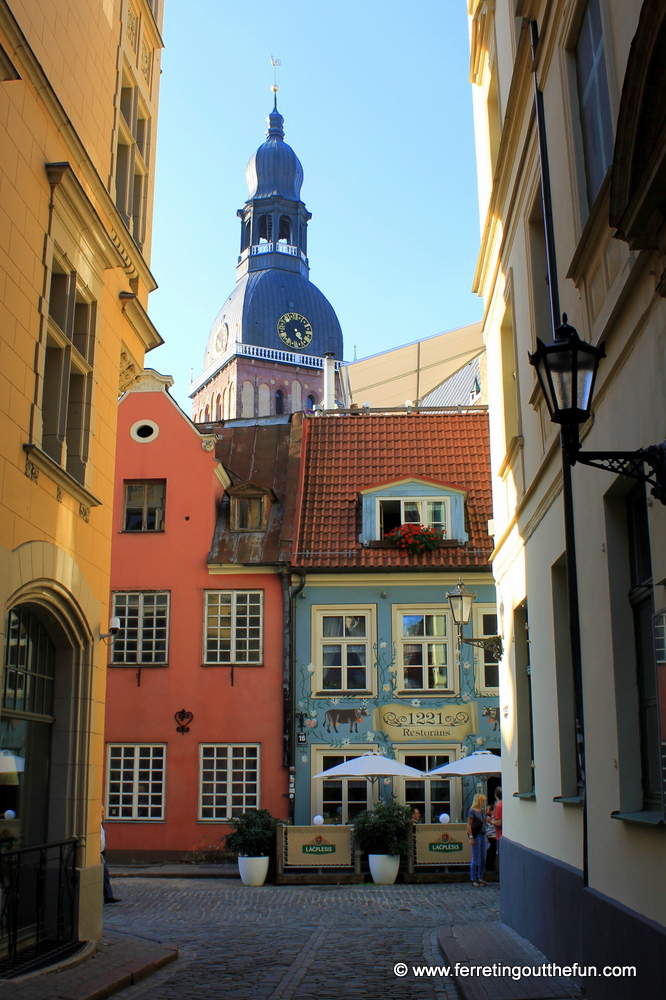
(427, 724)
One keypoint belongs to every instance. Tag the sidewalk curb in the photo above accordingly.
(125, 975)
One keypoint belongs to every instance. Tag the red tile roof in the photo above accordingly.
(345, 454)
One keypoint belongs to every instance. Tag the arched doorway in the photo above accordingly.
(26, 724)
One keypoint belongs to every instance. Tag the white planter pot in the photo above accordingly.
(384, 868)
(253, 871)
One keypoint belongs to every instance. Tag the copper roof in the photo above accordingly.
(345, 454)
(265, 452)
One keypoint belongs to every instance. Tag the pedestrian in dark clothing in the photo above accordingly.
(108, 891)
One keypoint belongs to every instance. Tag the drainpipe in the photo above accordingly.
(329, 381)
(289, 610)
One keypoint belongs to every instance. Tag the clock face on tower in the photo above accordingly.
(294, 330)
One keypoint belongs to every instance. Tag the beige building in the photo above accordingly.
(78, 107)
(583, 866)
(412, 371)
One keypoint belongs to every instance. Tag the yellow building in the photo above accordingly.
(78, 106)
(584, 847)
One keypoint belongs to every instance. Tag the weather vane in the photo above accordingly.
(275, 63)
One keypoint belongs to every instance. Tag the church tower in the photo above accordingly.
(266, 350)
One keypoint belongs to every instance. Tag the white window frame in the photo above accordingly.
(140, 639)
(230, 808)
(453, 674)
(318, 784)
(479, 654)
(234, 659)
(319, 612)
(444, 499)
(432, 749)
(135, 805)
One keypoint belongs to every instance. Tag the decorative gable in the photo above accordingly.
(413, 499)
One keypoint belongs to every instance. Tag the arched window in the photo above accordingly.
(285, 229)
(225, 404)
(264, 400)
(232, 401)
(311, 403)
(245, 236)
(218, 408)
(279, 401)
(207, 415)
(296, 396)
(266, 228)
(247, 400)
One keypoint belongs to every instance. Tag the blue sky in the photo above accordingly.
(377, 105)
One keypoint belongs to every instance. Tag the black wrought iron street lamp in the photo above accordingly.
(461, 601)
(567, 371)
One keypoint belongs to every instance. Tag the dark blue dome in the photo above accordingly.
(274, 170)
(251, 313)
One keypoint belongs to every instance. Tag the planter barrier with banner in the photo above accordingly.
(441, 846)
(308, 854)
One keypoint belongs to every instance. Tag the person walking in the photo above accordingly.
(108, 891)
(497, 821)
(491, 834)
(476, 831)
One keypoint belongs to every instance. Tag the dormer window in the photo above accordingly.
(429, 513)
(413, 500)
(249, 507)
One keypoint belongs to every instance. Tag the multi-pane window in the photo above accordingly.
(430, 513)
(144, 629)
(133, 160)
(233, 626)
(343, 798)
(228, 779)
(486, 626)
(424, 650)
(430, 796)
(136, 781)
(144, 505)
(594, 99)
(344, 639)
(29, 665)
(67, 372)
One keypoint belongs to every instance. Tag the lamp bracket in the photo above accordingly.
(629, 463)
(492, 643)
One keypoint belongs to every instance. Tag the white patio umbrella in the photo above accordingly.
(371, 765)
(480, 762)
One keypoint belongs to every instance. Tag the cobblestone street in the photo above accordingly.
(310, 942)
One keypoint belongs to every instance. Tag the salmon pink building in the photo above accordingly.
(195, 702)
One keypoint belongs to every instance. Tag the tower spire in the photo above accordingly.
(275, 119)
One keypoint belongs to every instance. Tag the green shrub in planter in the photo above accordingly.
(383, 830)
(253, 834)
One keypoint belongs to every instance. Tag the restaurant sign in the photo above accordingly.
(407, 722)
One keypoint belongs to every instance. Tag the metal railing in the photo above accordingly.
(37, 914)
(267, 353)
(276, 248)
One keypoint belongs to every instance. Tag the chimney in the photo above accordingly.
(329, 381)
